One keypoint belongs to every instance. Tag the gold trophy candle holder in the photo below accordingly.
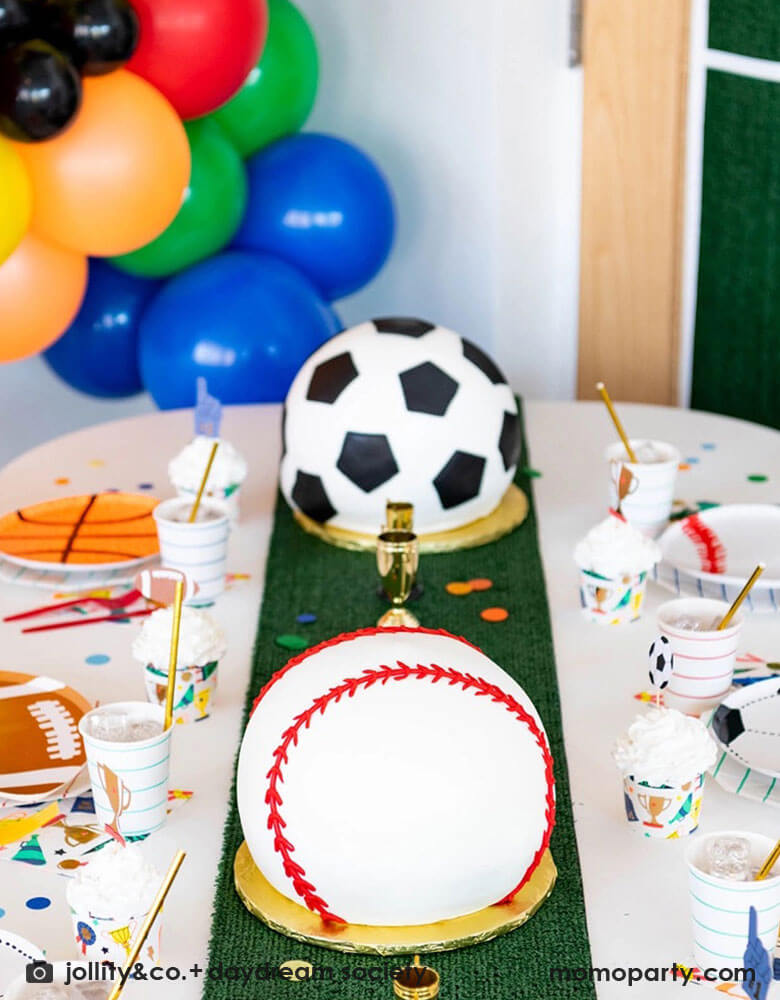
(397, 559)
(416, 982)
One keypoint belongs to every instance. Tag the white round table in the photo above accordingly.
(635, 889)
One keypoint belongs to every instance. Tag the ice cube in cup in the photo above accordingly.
(729, 857)
(122, 727)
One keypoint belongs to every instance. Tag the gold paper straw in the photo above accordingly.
(138, 944)
(769, 864)
(602, 389)
(194, 511)
(174, 654)
(742, 595)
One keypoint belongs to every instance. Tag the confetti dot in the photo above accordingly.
(458, 588)
(97, 659)
(61, 481)
(683, 466)
(692, 460)
(531, 473)
(494, 614)
(2, 912)
(146, 486)
(291, 642)
(306, 618)
(708, 446)
(96, 463)
(757, 477)
(38, 903)
(113, 489)
(481, 583)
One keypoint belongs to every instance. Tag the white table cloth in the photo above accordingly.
(635, 888)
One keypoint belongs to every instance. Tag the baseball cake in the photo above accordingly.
(395, 777)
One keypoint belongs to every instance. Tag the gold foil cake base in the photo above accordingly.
(297, 922)
(509, 514)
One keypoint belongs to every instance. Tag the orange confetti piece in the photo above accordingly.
(481, 583)
(61, 481)
(683, 466)
(494, 614)
(458, 588)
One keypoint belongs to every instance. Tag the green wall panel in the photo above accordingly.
(749, 27)
(736, 363)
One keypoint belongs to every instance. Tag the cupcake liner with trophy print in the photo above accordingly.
(665, 811)
(643, 491)
(107, 938)
(129, 779)
(612, 601)
(227, 498)
(193, 693)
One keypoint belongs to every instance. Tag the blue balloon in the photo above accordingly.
(245, 321)
(98, 353)
(322, 205)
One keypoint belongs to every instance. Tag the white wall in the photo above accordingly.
(473, 114)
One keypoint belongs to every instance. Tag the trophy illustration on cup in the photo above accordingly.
(119, 798)
(624, 481)
(655, 805)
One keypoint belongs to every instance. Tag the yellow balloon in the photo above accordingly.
(15, 199)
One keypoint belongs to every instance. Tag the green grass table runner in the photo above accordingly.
(305, 575)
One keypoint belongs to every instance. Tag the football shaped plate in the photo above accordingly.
(745, 725)
(41, 749)
(724, 544)
(99, 531)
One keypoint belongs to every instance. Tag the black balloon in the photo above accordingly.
(98, 35)
(17, 21)
(40, 91)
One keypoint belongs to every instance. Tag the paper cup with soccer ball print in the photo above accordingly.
(704, 657)
(108, 937)
(193, 694)
(198, 549)
(663, 811)
(129, 779)
(612, 600)
(643, 491)
(721, 908)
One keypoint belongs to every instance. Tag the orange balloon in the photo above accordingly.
(41, 288)
(116, 178)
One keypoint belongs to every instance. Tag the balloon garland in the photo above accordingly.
(161, 135)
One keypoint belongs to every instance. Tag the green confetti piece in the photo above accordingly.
(291, 642)
(757, 477)
(531, 473)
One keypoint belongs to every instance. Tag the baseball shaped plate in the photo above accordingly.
(724, 544)
(101, 531)
(41, 749)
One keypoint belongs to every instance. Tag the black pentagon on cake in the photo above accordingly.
(509, 439)
(427, 389)
(406, 326)
(330, 378)
(367, 460)
(309, 495)
(478, 357)
(460, 479)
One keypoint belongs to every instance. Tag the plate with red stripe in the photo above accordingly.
(724, 544)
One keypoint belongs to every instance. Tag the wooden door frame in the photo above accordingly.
(635, 58)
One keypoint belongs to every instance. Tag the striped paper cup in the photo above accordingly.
(198, 549)
(129, 780)
(703, 659)
(720, 907)
(643, 491)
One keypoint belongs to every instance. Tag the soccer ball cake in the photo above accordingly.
(395, 777)
(398, 409)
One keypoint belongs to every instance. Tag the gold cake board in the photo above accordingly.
(510, 513)
(297, 922)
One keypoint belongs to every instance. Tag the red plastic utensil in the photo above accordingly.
(104, 602)
(90, 621)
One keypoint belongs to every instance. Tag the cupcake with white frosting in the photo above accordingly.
(614, 559)
(202, 645)
(227, 474)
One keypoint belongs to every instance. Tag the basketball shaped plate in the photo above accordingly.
(83, 533)
(745, 725)
(724, 544)
(40, 745)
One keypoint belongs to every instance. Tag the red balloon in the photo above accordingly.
(199, 52)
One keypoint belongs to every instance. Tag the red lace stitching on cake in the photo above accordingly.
(349, 637)
(350, 687)
(712, 553)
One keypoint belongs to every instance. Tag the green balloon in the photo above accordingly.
(211, 212)
(279, 92)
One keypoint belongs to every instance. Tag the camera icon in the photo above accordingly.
(39, 972)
